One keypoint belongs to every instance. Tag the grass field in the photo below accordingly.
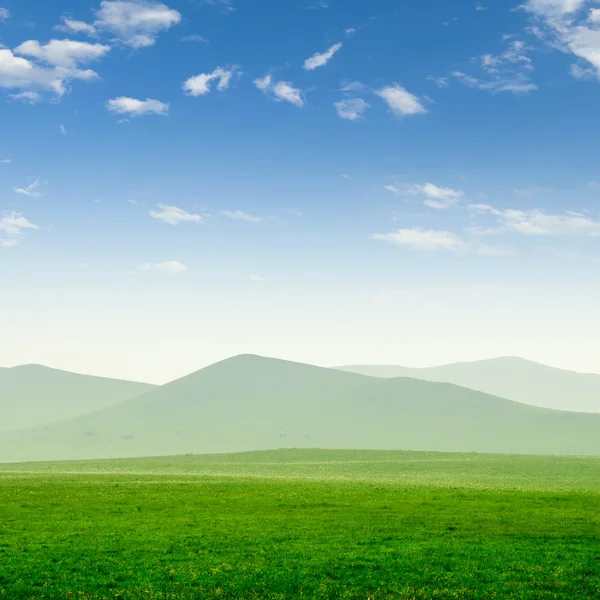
(302, 524)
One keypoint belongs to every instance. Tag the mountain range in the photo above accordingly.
(509, 377)
(34, 396)
(252, 403)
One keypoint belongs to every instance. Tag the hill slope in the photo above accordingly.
(254, 403)
(33, 395)
(513, 378)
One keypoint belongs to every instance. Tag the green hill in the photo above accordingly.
(253, 403)
(33, 396)
(509, 377)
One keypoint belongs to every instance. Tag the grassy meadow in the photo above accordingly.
(302, 524)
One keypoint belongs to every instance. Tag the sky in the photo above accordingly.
(407, 182)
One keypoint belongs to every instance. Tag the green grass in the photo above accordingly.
(302, 524)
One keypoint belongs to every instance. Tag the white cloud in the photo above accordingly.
(280, 90)
(31, 78)
(263, 83)
(14, 223)
(4, 15)
(433, 240)
(435, 196)
(257, 278)
(28, 97)
(563, 26)
(200, 85)
(7, 243)
(62, 53)
(136, 23)
(169, 267)
(32, 190)
(72, 26)
(84, 266)
(553, 8)
(63, 130)
(283, 90)
(174, 215)
(426, 240)
(321, 59)
(480, 7)
(537, 222)
(400, 101)
(137, 108)
(351, 109)
(238, 215)
(5, 161)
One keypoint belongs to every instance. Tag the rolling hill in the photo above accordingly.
(33, 396)
(254, 403)
(512, 378)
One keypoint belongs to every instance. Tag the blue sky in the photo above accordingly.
(407, 182)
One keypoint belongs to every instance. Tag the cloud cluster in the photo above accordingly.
(571, 26)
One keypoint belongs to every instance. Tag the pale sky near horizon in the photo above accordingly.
(412, 183)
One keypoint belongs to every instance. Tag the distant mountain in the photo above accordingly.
(513, 378)
(253, 403)
(33, 395)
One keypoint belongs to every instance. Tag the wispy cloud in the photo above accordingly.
(564, 26)
(174, 215)
(12, 225)
(434, 195)
(169, 267)
(135, 23)
(400, 101)
(321, 59)
(4, 15)
(435, 240)
(63, 130)
(5, 161)
(279, 90)
(137, 108)
(200, 85)
(69, 25)
(239, 215)
(509, 71)
(351, 108)
(257, 278)
(536, 222)
(531, 191)
(195, 38)
(32, 190)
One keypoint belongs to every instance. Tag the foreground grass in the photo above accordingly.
(302, 524)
